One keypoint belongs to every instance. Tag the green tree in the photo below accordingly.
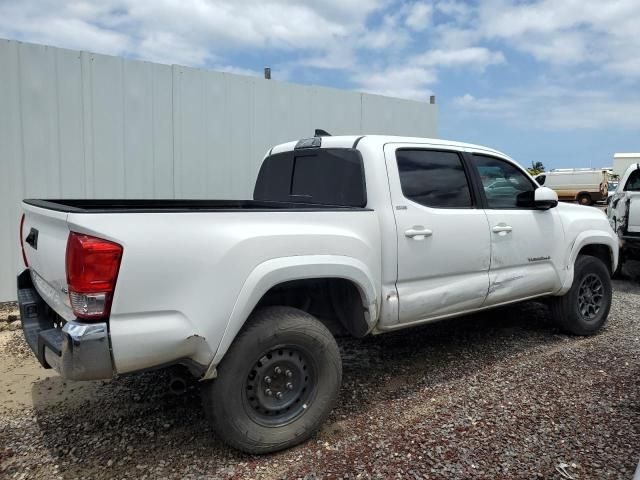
(536, 168)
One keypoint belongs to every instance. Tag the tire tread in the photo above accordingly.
(562, 308)
(261, 325)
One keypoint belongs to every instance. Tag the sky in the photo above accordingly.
(555, 81)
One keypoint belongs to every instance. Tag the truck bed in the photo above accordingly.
(178, 205)
(188, 268)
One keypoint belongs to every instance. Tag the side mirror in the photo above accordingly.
(544, 198)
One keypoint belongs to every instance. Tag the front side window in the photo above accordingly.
(505, 186)
(633, 184)
(433, 179)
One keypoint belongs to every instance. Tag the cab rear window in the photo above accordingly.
(319, 176)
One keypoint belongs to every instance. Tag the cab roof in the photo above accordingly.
(349, 141)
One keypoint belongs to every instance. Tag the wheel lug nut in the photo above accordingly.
(278, 395)
(268, 392)
(288, 373)
(267, 380)
(289, 386)
(278, 370)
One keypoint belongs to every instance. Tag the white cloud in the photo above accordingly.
(189, 31)
(59, 26)
(404, 82)
(334, 58)
(478, 57)
(458, 11)
(418, 16)
(388, 35)
(567, 32)
(554, 108)
(415, 77)
(167, 47)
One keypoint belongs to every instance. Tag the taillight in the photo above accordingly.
(24, 255)
(92, 270)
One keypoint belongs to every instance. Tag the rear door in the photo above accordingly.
(442, 233)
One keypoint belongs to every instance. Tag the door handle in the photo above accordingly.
(418, 233)
(502, 229)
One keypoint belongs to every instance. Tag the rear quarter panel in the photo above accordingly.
(181, 273)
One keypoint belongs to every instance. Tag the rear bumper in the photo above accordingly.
(77, 351)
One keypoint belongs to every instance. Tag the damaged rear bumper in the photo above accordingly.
(76, 350)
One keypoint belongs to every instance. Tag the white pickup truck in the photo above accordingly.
(623, 210)
(344, 235)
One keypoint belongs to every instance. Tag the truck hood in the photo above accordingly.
(574, 210)
(582, 217)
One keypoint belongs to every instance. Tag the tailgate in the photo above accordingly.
(44, 236)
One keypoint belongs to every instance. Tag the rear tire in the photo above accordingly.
(277, 383)
(584, 309)
(585, 199)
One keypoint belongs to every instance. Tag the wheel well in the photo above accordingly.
(599, 251)
(336, 302)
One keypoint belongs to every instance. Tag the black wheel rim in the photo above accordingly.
(590, 296)
(279, 386)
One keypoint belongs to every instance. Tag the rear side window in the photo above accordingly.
(324, 176)
(433, 179)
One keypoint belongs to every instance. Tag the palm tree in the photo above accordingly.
(536, 168)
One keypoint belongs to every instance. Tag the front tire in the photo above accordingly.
(277, 383)
(584, 309)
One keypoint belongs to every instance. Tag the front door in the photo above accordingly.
(526, 244)
(442, 233)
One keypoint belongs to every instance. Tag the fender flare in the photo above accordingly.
(272, 272)
(589, 237)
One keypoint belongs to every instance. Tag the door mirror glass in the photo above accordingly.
(545, 198)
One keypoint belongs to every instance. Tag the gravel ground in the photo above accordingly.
(498, 396)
